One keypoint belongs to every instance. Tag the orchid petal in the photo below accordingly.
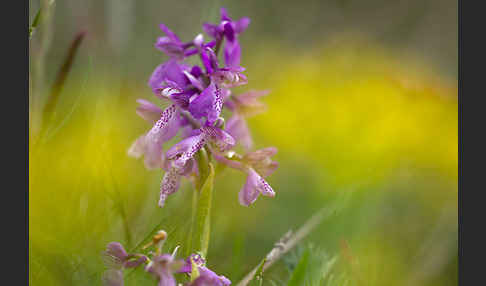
(209, 103)
(254, 186)
(241, 25)
(232, 54)
(148, 110)
(185, 150)
(169, 71)
(219, 138)
(237, 127)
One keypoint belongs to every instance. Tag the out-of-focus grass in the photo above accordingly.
(348, 119)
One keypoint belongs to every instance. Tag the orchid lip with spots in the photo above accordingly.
(197, 96)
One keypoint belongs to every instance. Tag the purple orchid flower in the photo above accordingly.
(257, 165)
(228, 29)
(209, 278)
(116, 259)
(206, 276)
(180, 156)
(198, 95)
(163, 267)
(254, 186)
(169, 72)
(170, 44)
(173, 47)
(164, 129)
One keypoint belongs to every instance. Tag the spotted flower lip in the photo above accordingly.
(185, 150)
(218, 138)
(150, 144)
(171, 180)
(254, 186)
(180, 159)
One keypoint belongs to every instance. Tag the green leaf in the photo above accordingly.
(298, 276)
(203, 218)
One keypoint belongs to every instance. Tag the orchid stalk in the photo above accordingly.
(196, 97)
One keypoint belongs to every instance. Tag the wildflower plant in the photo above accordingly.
(197, 96)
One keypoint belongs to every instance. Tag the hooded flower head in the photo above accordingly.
(197, 95)
(229, 30)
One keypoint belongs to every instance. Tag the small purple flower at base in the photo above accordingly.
(254, 186)
(209, 278)
(163, 267)
(116, 259)
(206, 276)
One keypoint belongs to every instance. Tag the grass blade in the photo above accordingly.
(37, 20)
(298, 275)
(52, 100)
